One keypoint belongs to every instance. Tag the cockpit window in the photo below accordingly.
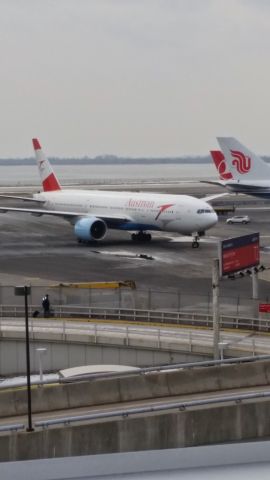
(204, 210)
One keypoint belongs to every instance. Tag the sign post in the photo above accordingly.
(235, 255)
(255, 285)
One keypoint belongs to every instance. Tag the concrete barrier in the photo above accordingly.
(241, 422)
(139, 387)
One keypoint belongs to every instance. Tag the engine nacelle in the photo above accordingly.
(90, 228)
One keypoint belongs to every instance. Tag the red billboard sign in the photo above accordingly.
(264, 307)
(239, 253)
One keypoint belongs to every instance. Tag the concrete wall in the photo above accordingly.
(61, 355)
(181, 429)
(117, 390)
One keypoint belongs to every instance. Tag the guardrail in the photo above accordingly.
(139, 315)
(182, 406)
(13, 427)
(124, 413)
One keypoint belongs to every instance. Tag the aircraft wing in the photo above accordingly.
(209, 198)
(112, 219)
(25, 199)
(221, 183)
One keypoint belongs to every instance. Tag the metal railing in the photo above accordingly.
(182, 406)
(142, 316)
(128, 412)
(13, 427)
(143, 335)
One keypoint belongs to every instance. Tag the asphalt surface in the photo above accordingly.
(42, 249)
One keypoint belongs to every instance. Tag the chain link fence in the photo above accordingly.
(147, 299)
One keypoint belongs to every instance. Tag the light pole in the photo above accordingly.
(222, 346)
(40, 352)
(216, 319)
(25, 291)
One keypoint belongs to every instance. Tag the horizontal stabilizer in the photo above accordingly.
(24, 199)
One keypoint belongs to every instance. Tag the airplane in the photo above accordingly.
(93, 212)
(240, 170)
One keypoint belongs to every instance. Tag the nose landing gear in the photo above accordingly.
(195, 243)
(141, 237)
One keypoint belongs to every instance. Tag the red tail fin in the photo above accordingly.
(47, 175)
(220, 163)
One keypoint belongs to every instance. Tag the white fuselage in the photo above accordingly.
(145, 211)
(257, 188)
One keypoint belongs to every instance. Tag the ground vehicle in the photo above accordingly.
(238, 219)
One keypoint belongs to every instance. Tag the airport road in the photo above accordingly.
(40, 250)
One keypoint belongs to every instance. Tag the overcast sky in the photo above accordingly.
(133, 77)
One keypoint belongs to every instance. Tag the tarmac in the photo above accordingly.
(39, 250)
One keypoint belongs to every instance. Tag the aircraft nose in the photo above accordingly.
(209, 219)
(213, 219)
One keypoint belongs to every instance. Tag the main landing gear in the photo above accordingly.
(141, 237)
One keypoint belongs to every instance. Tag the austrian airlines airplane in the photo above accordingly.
(92, 212)
(240, 170)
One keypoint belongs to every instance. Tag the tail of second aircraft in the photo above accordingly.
(47, 175)
(220, 164)
(242, 162)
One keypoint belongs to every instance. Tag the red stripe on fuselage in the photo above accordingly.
(162, 208)
(51, 183)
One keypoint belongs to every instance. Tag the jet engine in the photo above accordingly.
(90, 228)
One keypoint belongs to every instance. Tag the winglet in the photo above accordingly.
(48, 178)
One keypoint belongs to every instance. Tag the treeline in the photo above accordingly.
(106, 160)
(113, 160)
